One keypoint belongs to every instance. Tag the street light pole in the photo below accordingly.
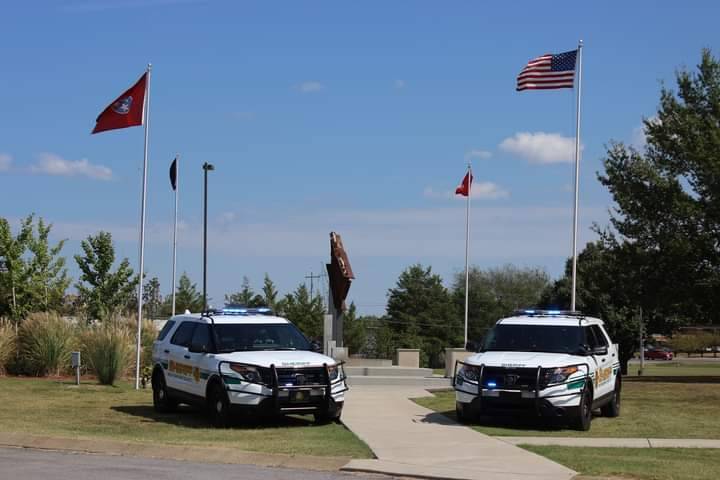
(207, 167)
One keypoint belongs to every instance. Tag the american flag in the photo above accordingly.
(548, 72)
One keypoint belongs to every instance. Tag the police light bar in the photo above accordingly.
(548, 313)
(242, 310)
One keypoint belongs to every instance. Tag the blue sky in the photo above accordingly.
(319, 116)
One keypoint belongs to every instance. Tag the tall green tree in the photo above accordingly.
(421, 314)
(495, 293)
(270, 293)
(103, 291)
(304, 312)
(187, 296)
(667, 201)
(354, 330)
(243, 297)
(152, 298)
(14, 270)
(49, 277)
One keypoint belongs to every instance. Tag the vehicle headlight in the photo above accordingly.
(250, 374)
(334, 372)
(469, 372)
(557, 375)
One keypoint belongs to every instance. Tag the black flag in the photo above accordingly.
(173, 174)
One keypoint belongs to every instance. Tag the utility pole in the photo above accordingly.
(312, 277)
(207, 167)
(642, 346)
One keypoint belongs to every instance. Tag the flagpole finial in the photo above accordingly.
(580, 42)
(149, 65)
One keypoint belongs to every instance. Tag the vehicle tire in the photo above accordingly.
(162, 401)
(582, 421)
(612, 408)
(219, 406)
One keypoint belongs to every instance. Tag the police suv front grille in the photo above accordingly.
(510, 378)
(301, 376)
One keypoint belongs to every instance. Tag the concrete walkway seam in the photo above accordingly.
(610, 442)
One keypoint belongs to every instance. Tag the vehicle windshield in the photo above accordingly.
(233, 337)
(535, 338)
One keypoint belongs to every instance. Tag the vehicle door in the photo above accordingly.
(603, 379)
(180, 369)
(201, 358)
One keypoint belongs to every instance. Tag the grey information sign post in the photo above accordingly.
(75, 358)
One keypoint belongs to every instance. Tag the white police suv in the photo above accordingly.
(550, 362)
(244, 360)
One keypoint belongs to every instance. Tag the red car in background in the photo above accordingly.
(658, 354)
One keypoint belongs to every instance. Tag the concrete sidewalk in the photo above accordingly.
(412, 441)
(614, 442)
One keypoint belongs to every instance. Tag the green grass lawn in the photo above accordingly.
(640, 463)
(48, 407)
(654, 410)
(677, 368)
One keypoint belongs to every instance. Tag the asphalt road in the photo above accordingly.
(26, 464)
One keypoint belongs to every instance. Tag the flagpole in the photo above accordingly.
(177, 191)
(142, 231)
(467, 244)
(577, 176)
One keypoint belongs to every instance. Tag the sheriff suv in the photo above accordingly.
(244, 360)
(550, 362)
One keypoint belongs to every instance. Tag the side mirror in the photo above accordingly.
(198, 348)
(472, 346)
(315, 346)
(600, 351)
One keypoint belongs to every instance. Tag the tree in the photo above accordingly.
(187, 296)
(103, 292)
(270, 293)
(49, 277)
(244, 297)
(495, 293)
(14, 271)
(354, 331)
(304, 312)
(668, 200)
(152, 299)
(421, 314)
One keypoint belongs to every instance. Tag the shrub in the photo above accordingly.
(108, 350)
(45, 342)
(8, 343)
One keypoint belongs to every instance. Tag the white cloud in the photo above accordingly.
(540, 147)
(479, 154)
(310, 86)
(5, 162)
(399, 83)
(51, 164)
(481, 190)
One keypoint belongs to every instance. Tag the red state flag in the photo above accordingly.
(125, 111)
(464, 187)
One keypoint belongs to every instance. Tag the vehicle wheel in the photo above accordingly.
(612, 408)
(162, 401)
(582, 421)
(219, 406)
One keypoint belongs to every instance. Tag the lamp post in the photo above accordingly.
(207, 167)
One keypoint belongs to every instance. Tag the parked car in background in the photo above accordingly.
(659, 353)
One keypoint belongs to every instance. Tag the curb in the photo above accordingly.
(189, 453)
(609, 442)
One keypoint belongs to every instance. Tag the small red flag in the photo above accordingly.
(125, 111)
(464, 187)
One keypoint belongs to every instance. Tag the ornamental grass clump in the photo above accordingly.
(8, 343)
(45, 342)
(107, 349)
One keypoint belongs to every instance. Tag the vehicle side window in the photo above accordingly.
(184, 334)
(590, 339)
(165, 330)
(201, 338)
(600, 336)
